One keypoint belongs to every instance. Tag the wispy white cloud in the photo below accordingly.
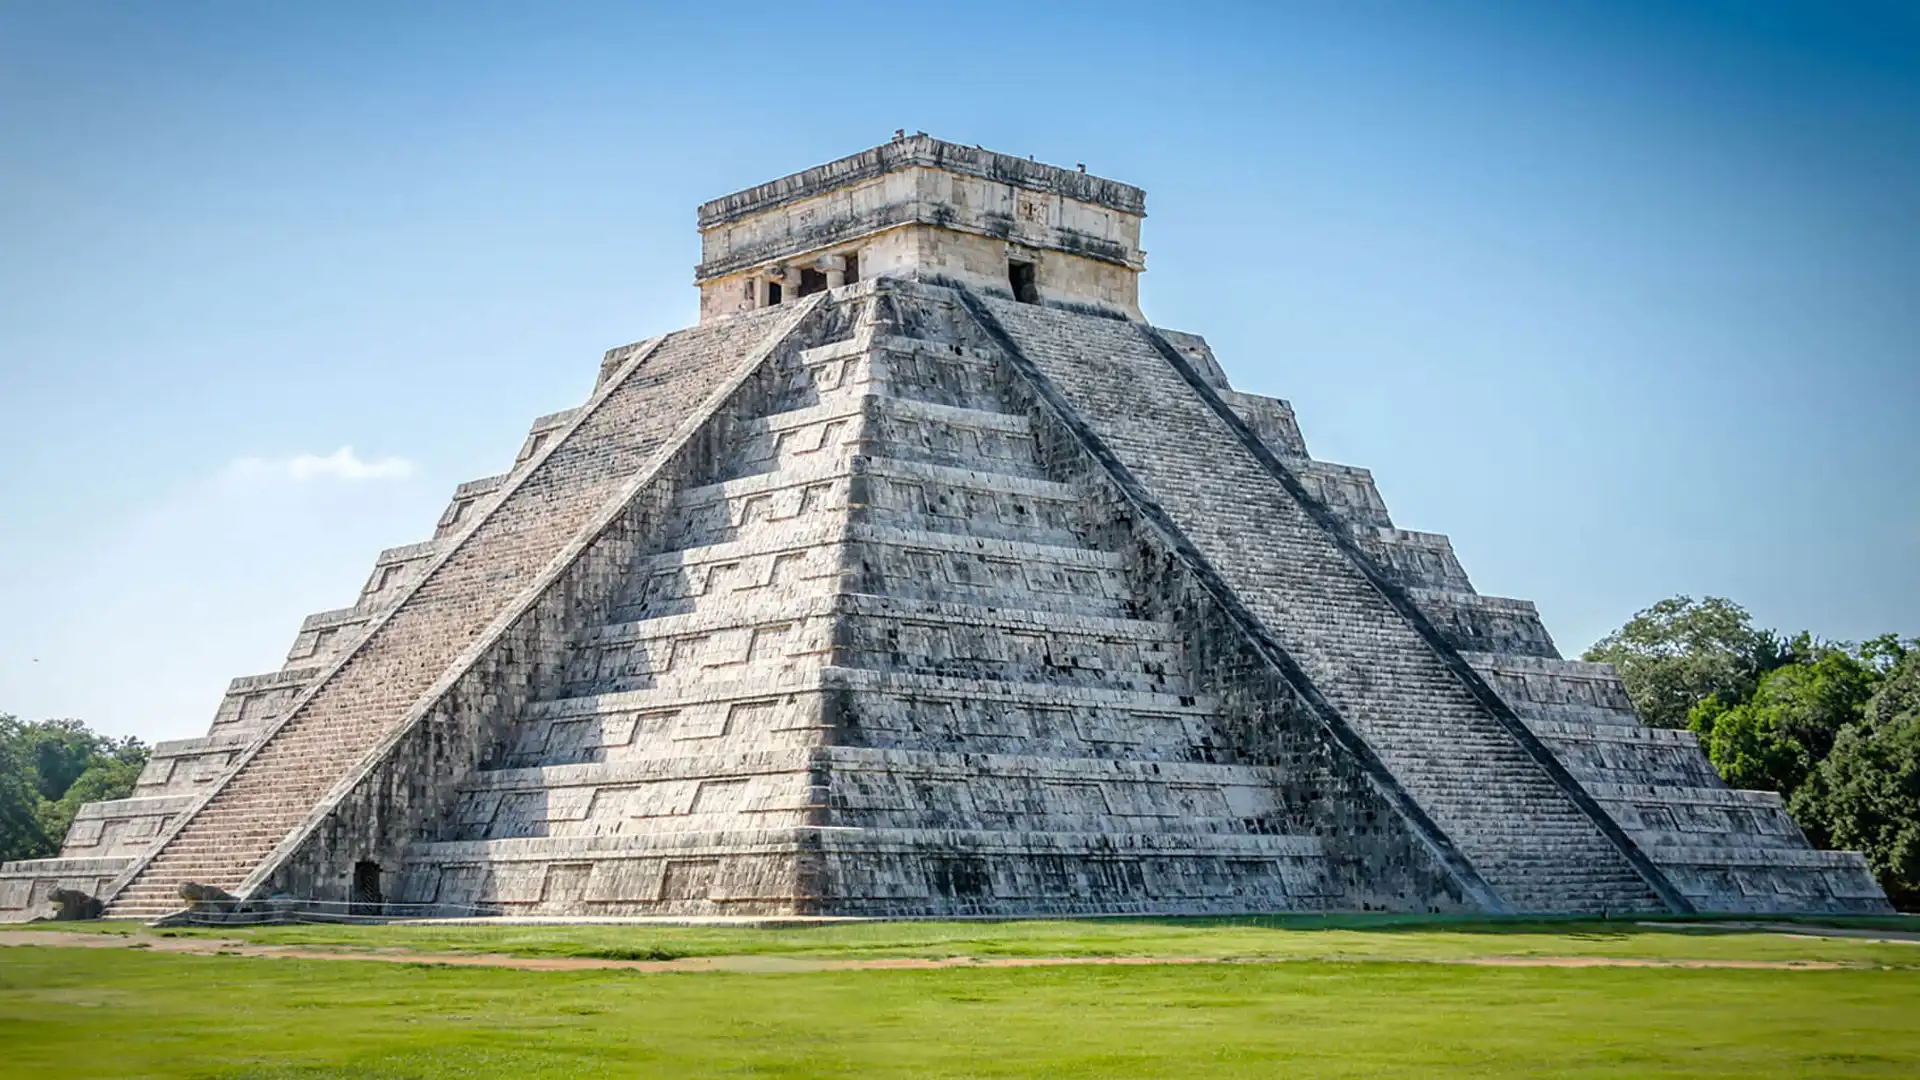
(342, 465)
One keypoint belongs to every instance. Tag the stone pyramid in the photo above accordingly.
(925, 577)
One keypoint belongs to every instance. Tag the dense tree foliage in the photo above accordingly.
(21, 832)
(47, 770)
(1832, 726)
(1681, 651)
(1773, 739)
(1865, 795)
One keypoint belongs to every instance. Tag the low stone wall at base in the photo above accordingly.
(26, 885)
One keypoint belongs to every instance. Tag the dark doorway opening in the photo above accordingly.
(853, 268)
(812, 281)
(366, 888)
(1021, 276)
(773, 293)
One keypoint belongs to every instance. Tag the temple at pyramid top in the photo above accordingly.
(924, 209)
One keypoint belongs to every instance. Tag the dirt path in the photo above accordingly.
(785, 964)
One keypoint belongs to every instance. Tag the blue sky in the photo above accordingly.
(1625, 298)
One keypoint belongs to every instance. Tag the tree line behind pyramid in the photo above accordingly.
(1833, 726)
(925, 576)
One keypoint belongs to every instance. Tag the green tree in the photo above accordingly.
(1774, 739)
(1680, 652)
(1866, 794)
(48, 770)
(61, 750)
(22, 835)
(111, 774)
(1899, 693)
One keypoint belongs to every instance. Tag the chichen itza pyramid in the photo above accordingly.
(923, 577)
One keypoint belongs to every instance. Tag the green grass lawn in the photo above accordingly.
(1354, 1000)
(1283, 937)
(75, 1013)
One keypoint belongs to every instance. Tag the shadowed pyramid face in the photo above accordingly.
(943, 585)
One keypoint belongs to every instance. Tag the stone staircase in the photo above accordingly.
(1518, 828)
(1005, 736)
(372, 691)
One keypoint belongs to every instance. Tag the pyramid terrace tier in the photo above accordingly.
(1549, 688)
(767, 569)
(902, 494)
(188, 766)
(853, 707)
(938, 372)
(1771, 880)
(122, 828)
(1725, 849)
(794, 634)
(253, 702)
(859, 787)
(25, 886)
(876, 425)
(1473, 622)
(872, 872)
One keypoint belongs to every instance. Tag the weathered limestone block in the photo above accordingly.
(395, 570)
(122, 827)
(27, 886)
(1549, 687)
(1473, 623)
(1350, 493)
(252, 702)
(1414, 560)
(469, 501)
(187, 766)
(1273, 421)
(327, 635)
(1271, 417)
